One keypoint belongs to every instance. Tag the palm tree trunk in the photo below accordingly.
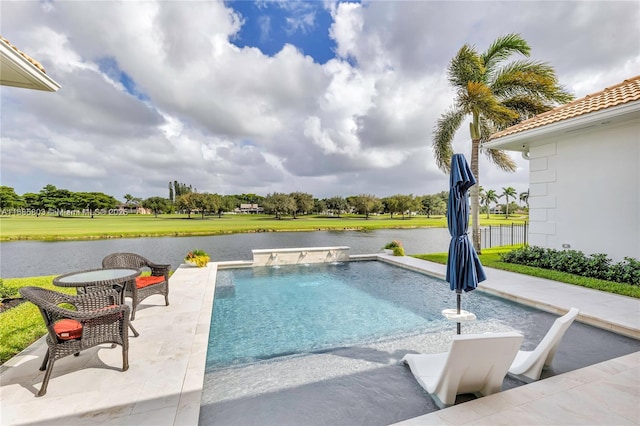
(475, 202)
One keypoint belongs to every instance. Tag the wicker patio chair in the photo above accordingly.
(98, 318)
(144, 286)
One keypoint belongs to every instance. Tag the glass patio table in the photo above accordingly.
(86, 281)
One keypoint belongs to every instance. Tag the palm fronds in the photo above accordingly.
(502, 48)
(443, 134)
(465, 67)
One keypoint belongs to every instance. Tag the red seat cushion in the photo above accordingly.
(142, 282)
(107, 307)
(68, 329)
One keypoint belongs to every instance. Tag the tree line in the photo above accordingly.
(53, 200)
(184, 199)
(491, 196)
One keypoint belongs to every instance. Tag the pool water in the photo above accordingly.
(265, 313)
(344, 329)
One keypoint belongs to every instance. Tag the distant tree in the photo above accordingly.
(508, 192)
(33, 201)
(60, 200)
(227, 204)
(279, 204)
(366, 204)
(200, 203)
(180, 189)
(209, 203)
(172, 197)
(93, 201)
(304, 202)
(319, 206)
(336, 205)
(250, 199)
(408, 204)
(391, 205)
(48, 197)
(433, 205)
(9, 199)
(402, 204)
(156, 204)
(489, 197)
(187, 202)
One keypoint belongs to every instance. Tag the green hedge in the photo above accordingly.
(576, 262)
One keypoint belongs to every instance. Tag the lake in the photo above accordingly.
(35, 258)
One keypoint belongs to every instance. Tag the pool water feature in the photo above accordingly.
(264, 313)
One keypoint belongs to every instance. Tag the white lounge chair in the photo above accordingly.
(475, 363)
(528, 365)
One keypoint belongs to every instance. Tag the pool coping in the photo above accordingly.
(545, 295)
(167, 362)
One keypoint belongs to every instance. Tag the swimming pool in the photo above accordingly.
(264, 313)
(364, 382)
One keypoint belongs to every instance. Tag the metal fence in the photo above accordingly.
(504, 235)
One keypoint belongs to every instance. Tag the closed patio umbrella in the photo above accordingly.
(464, 270)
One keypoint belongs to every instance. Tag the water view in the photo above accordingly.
(17, 258)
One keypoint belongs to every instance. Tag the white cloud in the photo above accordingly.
(347, 28)
(235, 120)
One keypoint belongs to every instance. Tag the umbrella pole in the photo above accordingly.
(458, 310)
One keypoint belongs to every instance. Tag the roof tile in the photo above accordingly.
(627, 91)
(24, 55)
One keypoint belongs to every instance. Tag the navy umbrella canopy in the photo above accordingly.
(464, 270)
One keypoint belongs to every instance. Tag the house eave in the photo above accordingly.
(521, 141)
(17, 71)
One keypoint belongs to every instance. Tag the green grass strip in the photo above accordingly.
(23, 325)
(491, 258)
(53, 228)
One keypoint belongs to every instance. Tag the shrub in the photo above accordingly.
(627, 271)
(598, 266)
(398, 251)
(393, 244)
(575, 262)
(6, 292)
(199, 257)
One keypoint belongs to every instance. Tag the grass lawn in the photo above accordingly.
(22, 325)
(130, 226)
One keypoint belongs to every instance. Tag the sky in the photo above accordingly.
(323, 97)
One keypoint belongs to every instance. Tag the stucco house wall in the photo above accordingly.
(584, 172)
(584, 191)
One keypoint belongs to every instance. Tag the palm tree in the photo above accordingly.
(524, 197)
(490, 196)
(496, 95)
(506, 193)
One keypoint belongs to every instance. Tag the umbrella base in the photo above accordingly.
(463, 316)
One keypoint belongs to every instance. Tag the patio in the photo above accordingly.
(163, 385)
